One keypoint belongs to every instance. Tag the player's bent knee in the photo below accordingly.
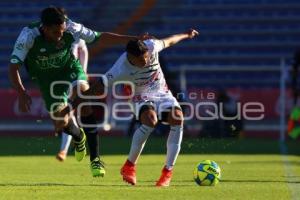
(149, 118)
(61, 124)
(82, 86)
(175, 117)
(150, 121)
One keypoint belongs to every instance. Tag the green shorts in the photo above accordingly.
(55, 90)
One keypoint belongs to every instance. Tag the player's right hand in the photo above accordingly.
(24, 102)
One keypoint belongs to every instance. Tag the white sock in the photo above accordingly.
(65, 142)
(138, 142)
(173, 145)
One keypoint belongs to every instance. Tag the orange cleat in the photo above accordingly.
(128, 172)
(61, 156)
(165, 178)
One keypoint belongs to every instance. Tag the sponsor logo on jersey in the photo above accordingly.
(154, 77)
(42, 50)
(52, 61)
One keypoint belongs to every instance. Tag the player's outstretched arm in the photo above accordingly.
(173, 39)
(107, 38)
(83, 55)
(16, 81)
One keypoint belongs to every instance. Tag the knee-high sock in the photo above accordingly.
(91, 135)
(73, 130)
(65, 142)
(138, 142)
(173, 145)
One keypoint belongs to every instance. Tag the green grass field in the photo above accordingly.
(251, 169)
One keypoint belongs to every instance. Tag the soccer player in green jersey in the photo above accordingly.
(44, 48)
(80, 51)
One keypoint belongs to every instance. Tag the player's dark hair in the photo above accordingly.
(53, 16)
(136, 47)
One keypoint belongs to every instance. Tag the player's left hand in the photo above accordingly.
(192, 33)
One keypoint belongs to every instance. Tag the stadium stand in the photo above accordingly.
(233, 33)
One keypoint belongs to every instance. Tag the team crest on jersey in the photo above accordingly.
(60, 44)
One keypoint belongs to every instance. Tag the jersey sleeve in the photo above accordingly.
(81, 44)
(155, 45)
(117, 72)
(77, 46)
(22, 45)
(113, 75)
(81, 32)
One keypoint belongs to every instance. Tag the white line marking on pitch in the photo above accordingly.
(289, 172)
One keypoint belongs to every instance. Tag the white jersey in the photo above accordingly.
(149, 81)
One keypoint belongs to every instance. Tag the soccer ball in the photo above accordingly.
(207, 173)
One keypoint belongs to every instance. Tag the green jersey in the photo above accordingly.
(48, 62)
(45, 59)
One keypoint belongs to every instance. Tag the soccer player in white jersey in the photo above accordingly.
(80, 52)
(152, 100)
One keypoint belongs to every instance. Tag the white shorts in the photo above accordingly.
(160, 104)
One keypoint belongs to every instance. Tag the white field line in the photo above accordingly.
(291, 177)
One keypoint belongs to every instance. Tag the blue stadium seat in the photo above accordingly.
(233, 32)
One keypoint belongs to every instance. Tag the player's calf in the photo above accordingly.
(175, 119)
(138, 142)
(78, 137)
(89, 124)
